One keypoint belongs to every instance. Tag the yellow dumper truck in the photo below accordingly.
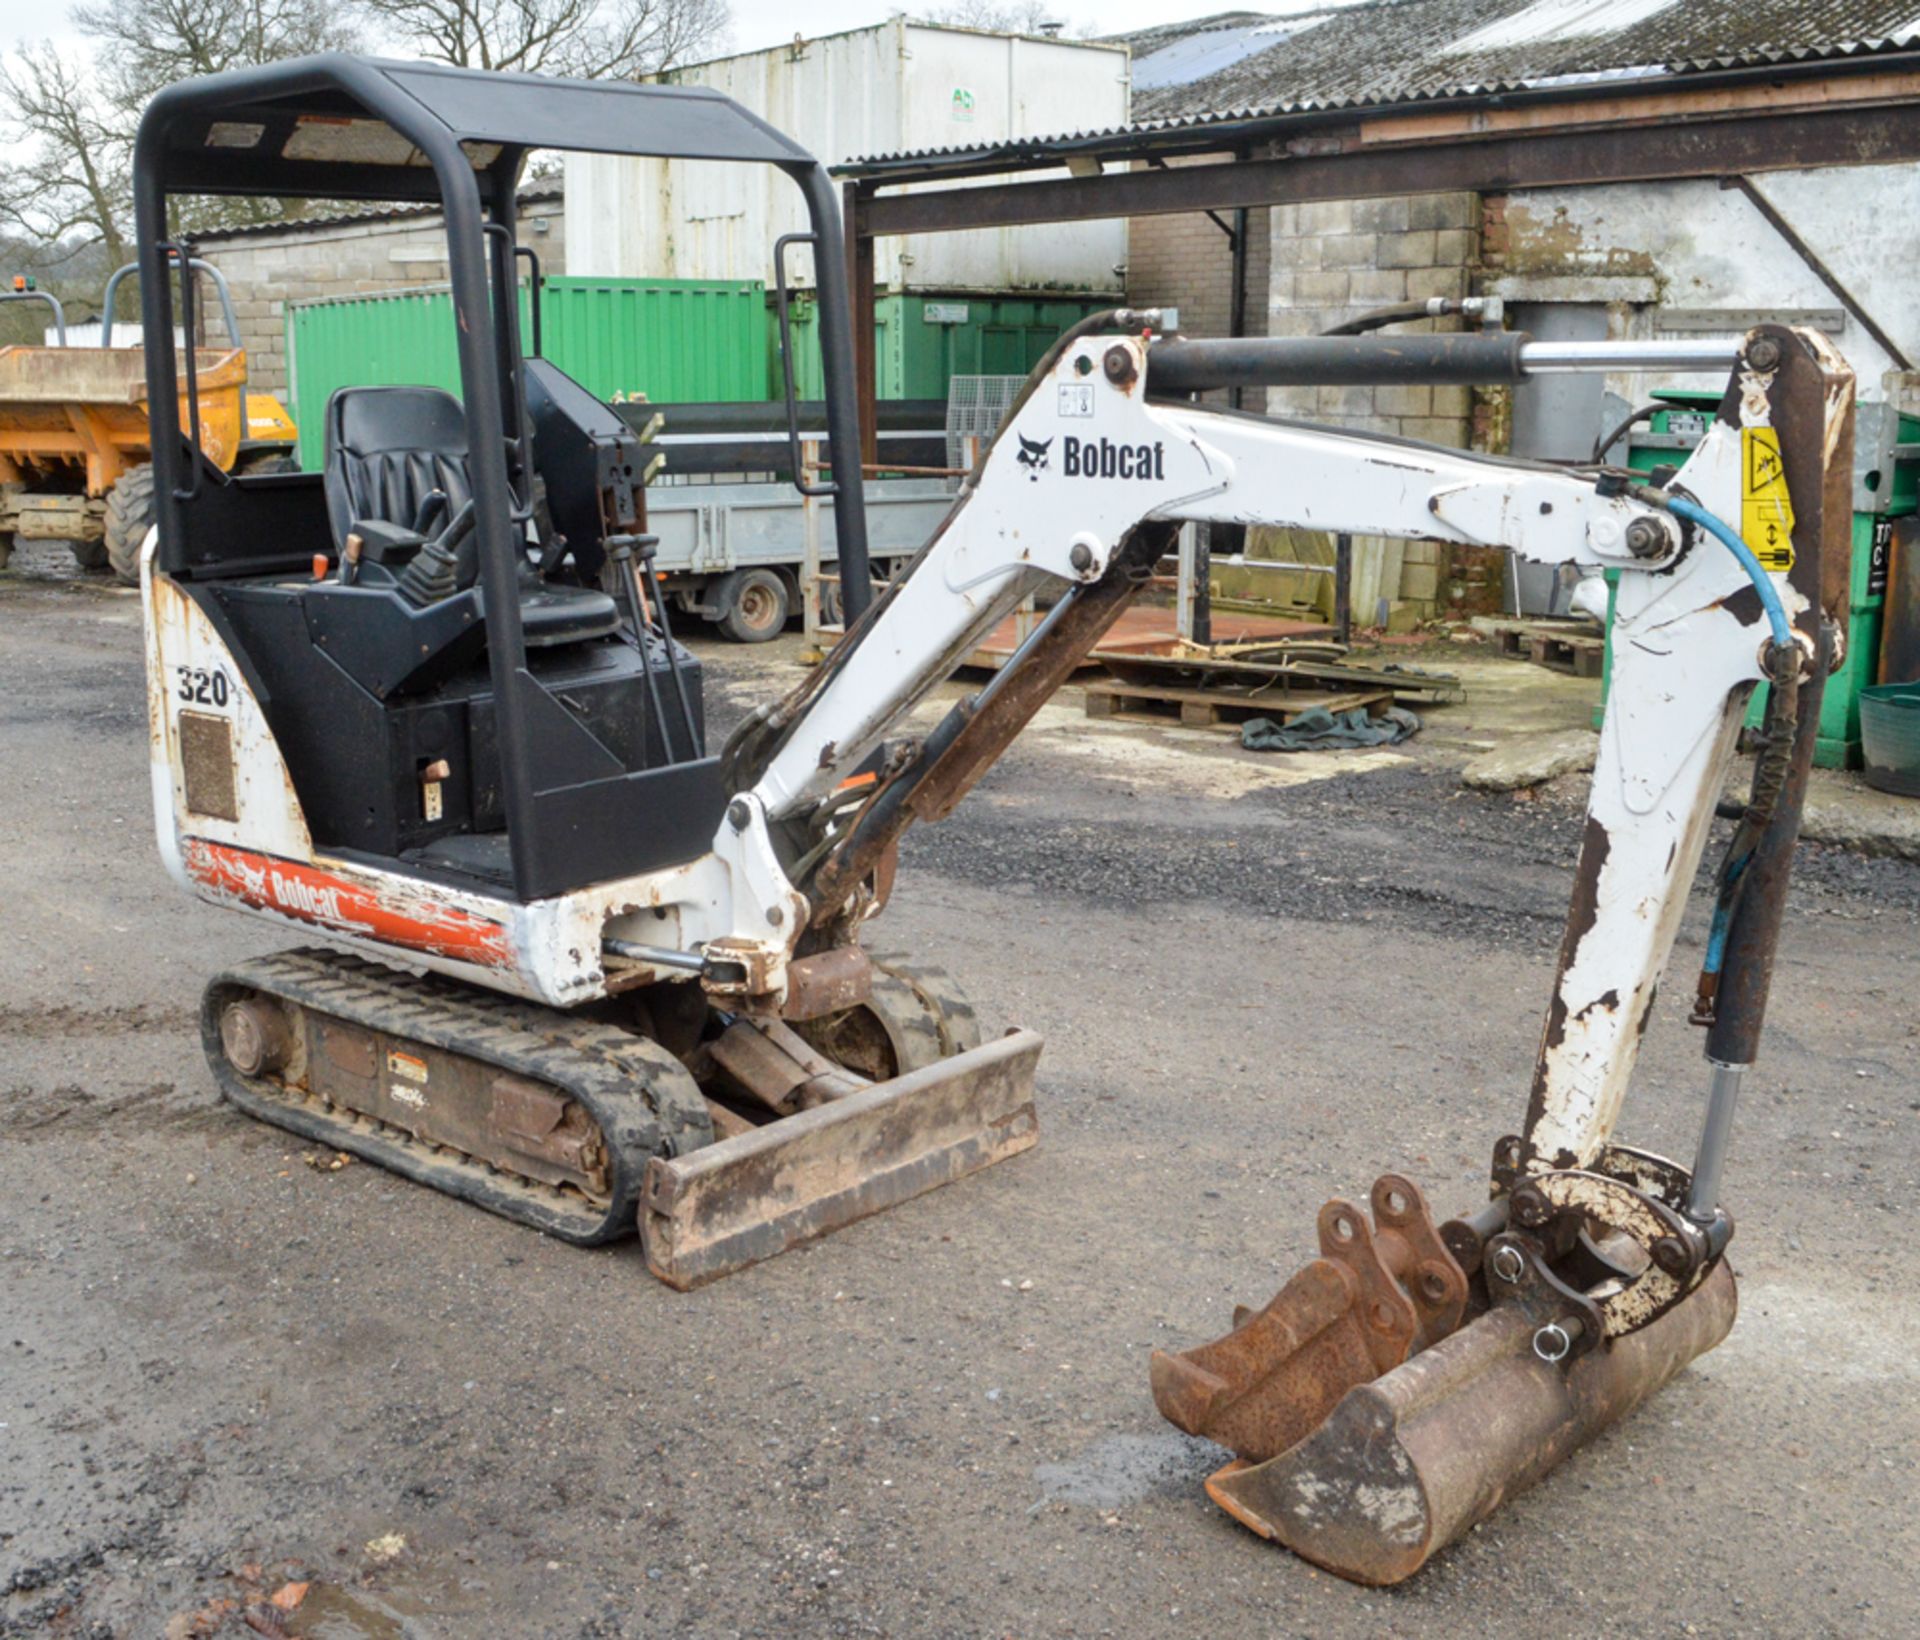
(75, 450)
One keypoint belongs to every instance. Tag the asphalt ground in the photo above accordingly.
(1262, 980)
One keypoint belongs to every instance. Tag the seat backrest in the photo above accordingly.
(386, 448)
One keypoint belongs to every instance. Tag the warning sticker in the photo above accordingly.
(406, 1067)
(1766, 511)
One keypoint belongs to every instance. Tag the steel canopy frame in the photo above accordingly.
(1781, 121)
(230, 134)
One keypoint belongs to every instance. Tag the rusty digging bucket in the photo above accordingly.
(1371, 1428)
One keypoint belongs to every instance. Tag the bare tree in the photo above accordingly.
(148, 44)
(589, 39)
(1001, 16)
(68, 181)
(70, 118)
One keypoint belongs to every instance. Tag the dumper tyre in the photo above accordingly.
(754, 605)
(88, 554)
(6, 548)
(130, 514)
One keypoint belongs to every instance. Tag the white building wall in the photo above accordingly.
(888, 89)
(1648, 247)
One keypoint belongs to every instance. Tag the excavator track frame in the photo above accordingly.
(641, 1100)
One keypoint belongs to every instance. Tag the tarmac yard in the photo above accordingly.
(227, 1367)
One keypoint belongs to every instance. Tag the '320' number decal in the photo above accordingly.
(203, 686)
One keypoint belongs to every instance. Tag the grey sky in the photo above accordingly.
(756, 23)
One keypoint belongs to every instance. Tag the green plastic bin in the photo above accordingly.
(1886, 486)
(1890, 737)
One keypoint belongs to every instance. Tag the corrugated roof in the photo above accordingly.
(1325, 57)
(1330, 55)
(349, 219)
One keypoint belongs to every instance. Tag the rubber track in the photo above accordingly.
(641, 1097)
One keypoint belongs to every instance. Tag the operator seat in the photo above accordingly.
(388, 449)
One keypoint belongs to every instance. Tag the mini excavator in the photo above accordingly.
(426, 707)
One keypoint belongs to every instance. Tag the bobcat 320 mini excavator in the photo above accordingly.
(426, 706)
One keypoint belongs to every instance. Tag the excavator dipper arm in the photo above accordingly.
(1596, 1270)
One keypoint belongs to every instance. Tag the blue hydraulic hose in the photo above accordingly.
(1729, 538)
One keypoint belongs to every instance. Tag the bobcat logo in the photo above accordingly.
(1033, 456)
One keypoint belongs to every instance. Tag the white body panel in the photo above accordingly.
(895, 87)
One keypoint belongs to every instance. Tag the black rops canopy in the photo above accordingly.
(343, 127)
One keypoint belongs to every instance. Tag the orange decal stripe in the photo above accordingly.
(363, 911)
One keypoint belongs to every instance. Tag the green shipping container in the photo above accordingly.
(673, 340)
(922, 342)
(1891, 494)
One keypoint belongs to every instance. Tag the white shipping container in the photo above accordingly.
(896, 87)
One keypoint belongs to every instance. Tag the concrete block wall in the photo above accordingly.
(265, 271)
(1334, 260)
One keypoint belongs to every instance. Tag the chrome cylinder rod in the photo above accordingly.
(657, 956)
(1716, 1134)
(1557, 358)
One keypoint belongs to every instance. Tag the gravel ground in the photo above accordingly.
(1262, 982)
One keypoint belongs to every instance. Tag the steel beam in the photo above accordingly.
(860, 267)
(1710, 147)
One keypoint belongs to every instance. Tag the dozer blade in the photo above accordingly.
(746, 1198)
(1414, 1460)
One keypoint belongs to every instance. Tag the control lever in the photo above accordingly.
(433, 572)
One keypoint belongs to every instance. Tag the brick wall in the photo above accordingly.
(265, 271)
(1187, 262)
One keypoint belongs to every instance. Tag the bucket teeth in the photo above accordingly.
(1377, 1293)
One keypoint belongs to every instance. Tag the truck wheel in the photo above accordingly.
(130, 511)
(753, 605)
(6, 548)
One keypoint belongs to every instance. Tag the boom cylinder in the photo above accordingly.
(1468, 359)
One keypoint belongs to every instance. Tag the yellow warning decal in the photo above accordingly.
(1766, 510)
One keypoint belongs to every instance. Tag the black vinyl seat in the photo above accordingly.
(388, 449)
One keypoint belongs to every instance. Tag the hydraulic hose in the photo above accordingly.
(1771, 771)
(1729, 538)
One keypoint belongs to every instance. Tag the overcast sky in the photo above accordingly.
(758, 23)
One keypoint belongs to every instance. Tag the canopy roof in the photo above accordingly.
(344, 127)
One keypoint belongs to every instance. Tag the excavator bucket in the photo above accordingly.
(1414, 1460)
(1371, 1427)
(765, 1189)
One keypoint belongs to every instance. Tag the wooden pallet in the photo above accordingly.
(1220, 708)
(1572, 647)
